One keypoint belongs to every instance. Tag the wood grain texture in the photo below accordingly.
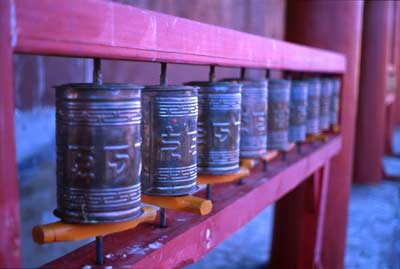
(188, 237)
(9, 205)
(369, 144)
(111, 30)
(337, 26)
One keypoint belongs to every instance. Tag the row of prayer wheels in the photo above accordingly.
(116, 141)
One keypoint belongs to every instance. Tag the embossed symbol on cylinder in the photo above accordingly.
(218, 127)
(313, 107)
(298, 111)
(278, 114)
(169, 130)
(98, 152)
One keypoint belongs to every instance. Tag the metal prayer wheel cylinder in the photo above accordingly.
(218, 127)
(335, 102)
(278, 114)
(325, 103)
(169, 131)
(298, 111)
(98, 152)
(313, 105)
(253, 126)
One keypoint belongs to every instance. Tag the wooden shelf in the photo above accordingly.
(189, 237)
(110, 30)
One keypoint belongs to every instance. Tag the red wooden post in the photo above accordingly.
(371, 107)
(390, 99)
(336, 26)
(396, 59)
(306, 205)
(9, 209)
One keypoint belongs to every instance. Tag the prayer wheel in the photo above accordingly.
(298, 111)
(218, 127)
(169, 131)
(335, 103)
(253, 126)
(325, 103)
(278, 114)
(98, 152)
(313, 107)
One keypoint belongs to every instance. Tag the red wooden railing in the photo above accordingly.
(115, 31)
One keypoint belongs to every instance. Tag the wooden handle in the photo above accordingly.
(335, 129)
(61, 231)
(271, 154)
(215, 179)
(186, 203)
(248, 163)
(290, 147)
(318, 137)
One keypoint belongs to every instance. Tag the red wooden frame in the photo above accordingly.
(370, 135)
(109, 30)
(190, 237)
(333, 25)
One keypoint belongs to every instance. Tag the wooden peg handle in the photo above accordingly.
(318, 137)
(61, 231)
(335, 129)
(215, 179)
(290, 147)
(248, 163)
(186, 203)
(270, 155)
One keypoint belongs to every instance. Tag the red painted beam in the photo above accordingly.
(109, 30)
(370, 134)
(335, 25)
(189, 237)
(9, 202)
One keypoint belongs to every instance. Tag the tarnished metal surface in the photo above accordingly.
(169, 131)
(253, 126)
(298, 111)
(218, 127)
(335, 102)
(313, 107)
(325, 103)
(98, 152)
(278, 114)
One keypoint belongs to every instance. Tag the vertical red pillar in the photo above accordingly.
(334, 25)
(373, 88)
(9, 209)
(391, 81)
(396, 56)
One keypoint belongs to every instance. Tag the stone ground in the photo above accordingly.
(373, 231)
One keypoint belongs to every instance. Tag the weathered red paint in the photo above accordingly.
(306, 205)
(370, 134)
(100, 29)
(189, 237)
(111, 30)
(337, 26)
(9, 205)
